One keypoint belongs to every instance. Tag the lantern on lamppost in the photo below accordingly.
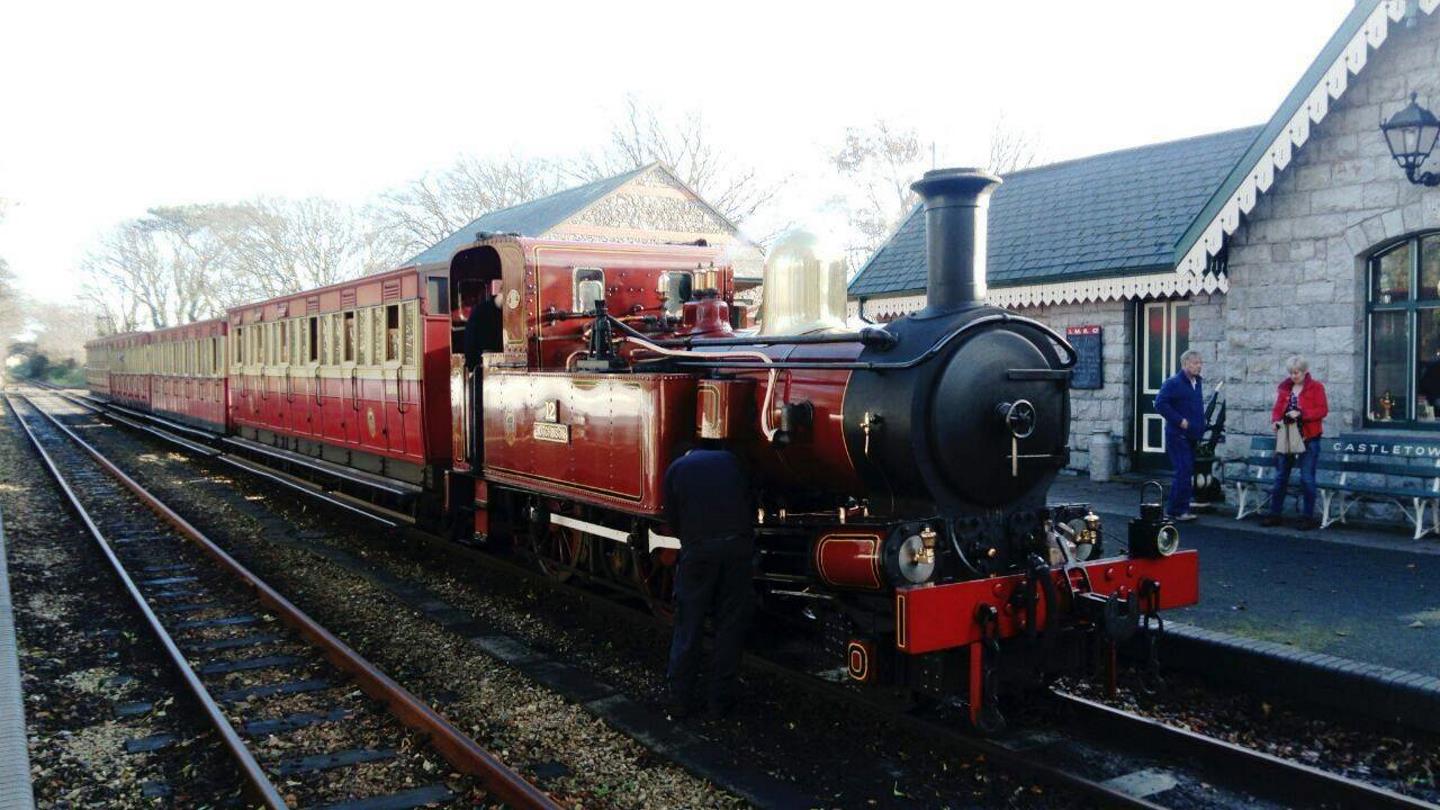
(1411, 134)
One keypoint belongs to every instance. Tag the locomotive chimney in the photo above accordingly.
(955, 203)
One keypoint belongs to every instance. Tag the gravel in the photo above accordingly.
(1402, 760)
(819, 743)
(83, 651)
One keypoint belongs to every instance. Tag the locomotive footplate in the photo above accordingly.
(931, 618)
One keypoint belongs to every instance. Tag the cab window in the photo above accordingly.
(677, 288)
(589, 288)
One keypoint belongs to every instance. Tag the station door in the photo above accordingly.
(1162, 334)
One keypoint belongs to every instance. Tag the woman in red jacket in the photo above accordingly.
(1300, 399)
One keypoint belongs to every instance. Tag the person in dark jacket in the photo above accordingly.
(1299, 399)
(709, 506)
(482, 328)
(1181, 402)
(483, 333)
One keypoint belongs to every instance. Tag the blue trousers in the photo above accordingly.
(704, 582)
(1182, 458)
(1305, 463)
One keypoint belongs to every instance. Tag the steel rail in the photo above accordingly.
(253, 773)
(1320, 784)
(458, 749)
(1261, 770)
(336, 499)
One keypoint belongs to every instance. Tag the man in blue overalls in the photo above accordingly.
(1181, 402)
(709, 506)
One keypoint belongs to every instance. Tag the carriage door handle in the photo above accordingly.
(400, 406)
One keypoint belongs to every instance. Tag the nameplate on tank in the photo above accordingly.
(551, 432)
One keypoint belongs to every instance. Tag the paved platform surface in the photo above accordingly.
(15, 793)
(1370, 594)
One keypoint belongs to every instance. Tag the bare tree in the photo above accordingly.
(61, 330)
(187, 263)
(1011, 149)
(283, 246)
(196, 246)
(128, 263)
(436, 205)
(877, 164)
(644, 135)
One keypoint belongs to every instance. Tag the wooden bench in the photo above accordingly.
(1408, 469)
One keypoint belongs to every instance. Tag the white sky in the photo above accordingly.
(109, 108)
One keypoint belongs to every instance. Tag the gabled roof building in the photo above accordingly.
(1297, 236)
(645, 205)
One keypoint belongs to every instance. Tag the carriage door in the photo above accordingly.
(1162, 334)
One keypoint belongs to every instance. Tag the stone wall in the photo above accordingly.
(1297, 265)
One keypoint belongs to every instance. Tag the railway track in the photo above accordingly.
(1113, 757)
(306, 720)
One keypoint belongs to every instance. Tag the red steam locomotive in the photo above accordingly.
(903, 469)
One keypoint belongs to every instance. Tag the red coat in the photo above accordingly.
(1313, 405)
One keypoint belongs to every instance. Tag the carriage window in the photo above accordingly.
(589, 287)
(437, 291)
(314, 343)
(677, 288)
(239, 345)
(392, 332)
(284, 327)
(349, 336)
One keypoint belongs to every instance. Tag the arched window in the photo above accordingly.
(1403, 335)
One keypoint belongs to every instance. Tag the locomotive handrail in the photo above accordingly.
(999, 317)
(870, 336)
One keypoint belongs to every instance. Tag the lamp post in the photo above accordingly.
(1411, 134)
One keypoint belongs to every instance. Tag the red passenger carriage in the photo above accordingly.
(353, 374)
(118, 367)
(187, 374)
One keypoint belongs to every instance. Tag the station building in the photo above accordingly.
(1303, 235)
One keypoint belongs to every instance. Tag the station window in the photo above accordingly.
(349, 331)
(589, 287)
(1403, 335)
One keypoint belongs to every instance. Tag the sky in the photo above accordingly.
(107, 109)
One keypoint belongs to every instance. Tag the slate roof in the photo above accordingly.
(530, 219)
(1110, 214)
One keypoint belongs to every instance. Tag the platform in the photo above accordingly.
(15, 792)
(1371, 594)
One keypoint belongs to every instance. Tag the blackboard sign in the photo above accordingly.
(1090, 368)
